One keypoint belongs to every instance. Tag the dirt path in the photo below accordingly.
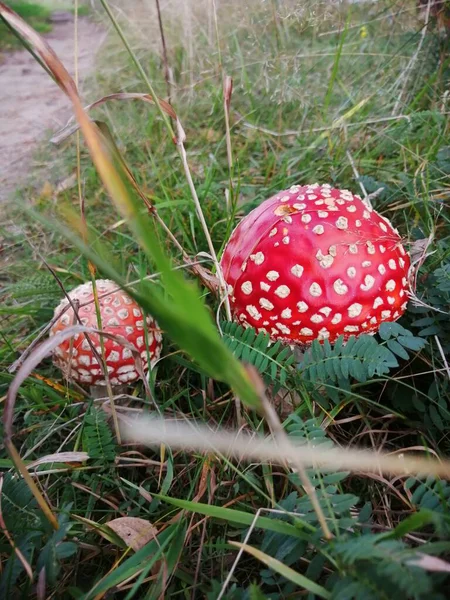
(31, 103)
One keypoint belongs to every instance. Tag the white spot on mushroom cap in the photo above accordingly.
(351, 328)
(282, 291)
(325, 260)
(285, 240)
(305, 331)
(368, 283)
(264, 286)
(340, 287)
(273, 232)
(247, 287)
(318, 229)
(297, 270)
(324, 334)
(306, 218)
(114, 356)
(323, 214)
(85, 360)
(336, 319)
(316, 319)
(354, 310)
(392, 264)
(257, 258)
(272, 275)
(381, 269)
(253, 312)
(283, 328)
(264, 303)
(302, 306)
(342, 223)
(390, 285)
(351, 272)
(370, 247)
(126, 369)
(353, 249)
(385, 314)
(299, 206)
(351, 208)
(366, 263)
(391, 300)
(326, 310)
(377, 302)
(315, 289)
(286, 313)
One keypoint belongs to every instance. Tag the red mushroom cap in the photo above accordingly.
(120, 316)
(315, 262)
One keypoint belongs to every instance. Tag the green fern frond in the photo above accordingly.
(430, 493)
(272, 361)
(360, 358)
(335, 504)
(19, 507)
(97, 437)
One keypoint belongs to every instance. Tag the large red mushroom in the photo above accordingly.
(315, 262)
(120, 316)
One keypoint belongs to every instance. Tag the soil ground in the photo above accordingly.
(32, 104)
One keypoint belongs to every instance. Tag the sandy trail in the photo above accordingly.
(31, 104)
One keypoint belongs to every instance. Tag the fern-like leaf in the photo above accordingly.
(360, 358)
(273, 361)
(97, 437)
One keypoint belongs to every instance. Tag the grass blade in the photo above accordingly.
(285, 571)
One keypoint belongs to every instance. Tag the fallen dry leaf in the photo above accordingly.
(133, 531)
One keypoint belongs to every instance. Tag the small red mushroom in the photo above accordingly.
(120, 315)
(315, 262)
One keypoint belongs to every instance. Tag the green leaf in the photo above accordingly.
(414, 522)
(397, 349)
(235, 516)
(145, 557)
(279, 567)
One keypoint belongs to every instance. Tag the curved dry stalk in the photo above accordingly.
(195, 437)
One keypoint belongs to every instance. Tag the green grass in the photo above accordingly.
(305, 98)
(36, 14)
